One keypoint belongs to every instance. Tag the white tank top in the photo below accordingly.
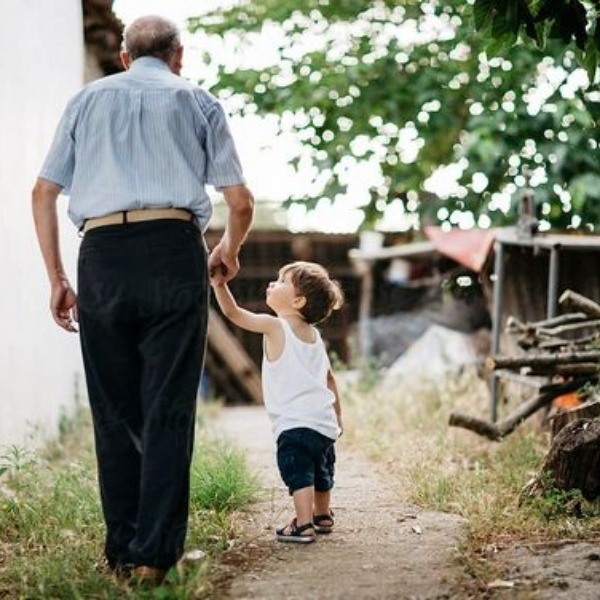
(295, 386)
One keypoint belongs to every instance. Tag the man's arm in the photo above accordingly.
(223, 262)
(63, 301)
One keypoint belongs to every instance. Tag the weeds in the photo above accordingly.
(453, 470)
(220, 479)
(51, 529)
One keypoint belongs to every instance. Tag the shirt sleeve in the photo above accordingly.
(223, 166)
(60, 160)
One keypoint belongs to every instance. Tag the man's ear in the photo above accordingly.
(125, 59)
(176, 62)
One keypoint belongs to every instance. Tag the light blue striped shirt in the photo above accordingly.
(144, 138)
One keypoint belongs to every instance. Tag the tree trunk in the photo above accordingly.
(573, 461)
(587, 410)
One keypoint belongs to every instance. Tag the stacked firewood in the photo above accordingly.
(564, 350)
(567, 345)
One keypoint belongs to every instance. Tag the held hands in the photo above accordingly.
(63, 305)
(223, 265)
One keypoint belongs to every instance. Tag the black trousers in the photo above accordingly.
(143, 309)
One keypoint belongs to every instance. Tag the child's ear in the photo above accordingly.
(299, 302)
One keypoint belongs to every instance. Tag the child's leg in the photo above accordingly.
(301, 528)
(303, 503)
(322, 502)
(323, 515)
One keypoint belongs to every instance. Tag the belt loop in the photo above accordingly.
(124, 213)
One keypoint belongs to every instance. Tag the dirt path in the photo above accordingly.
(381, 548)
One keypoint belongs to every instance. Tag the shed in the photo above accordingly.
(530, 272)
(408, 287)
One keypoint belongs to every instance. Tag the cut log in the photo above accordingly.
(569, 328)
(573, 345)
(573, 461)
(587, 410)
(572, 300)
(514, 325)
(565, 370)
(546, 359)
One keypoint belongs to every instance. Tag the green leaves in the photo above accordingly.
(414, 89)
(502, 22)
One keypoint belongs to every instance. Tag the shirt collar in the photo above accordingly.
(149, 62)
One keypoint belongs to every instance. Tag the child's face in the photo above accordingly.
(281, 295)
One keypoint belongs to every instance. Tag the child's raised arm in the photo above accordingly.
(255, 322)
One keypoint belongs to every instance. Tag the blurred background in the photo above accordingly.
(390, 141)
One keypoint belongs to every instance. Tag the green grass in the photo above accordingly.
(454, 470)
(220, 478)
(51, 530)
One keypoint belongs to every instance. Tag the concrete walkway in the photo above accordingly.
(381, 547)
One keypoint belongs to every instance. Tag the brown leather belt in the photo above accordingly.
(135, 216)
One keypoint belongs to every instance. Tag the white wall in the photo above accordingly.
(41, 66)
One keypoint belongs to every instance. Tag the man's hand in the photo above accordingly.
(63, 305)
(222, 265)
(63, 301)
(223, 261)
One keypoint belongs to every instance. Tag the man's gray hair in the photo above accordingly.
(151, 36)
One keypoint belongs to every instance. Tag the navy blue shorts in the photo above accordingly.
(306, 458)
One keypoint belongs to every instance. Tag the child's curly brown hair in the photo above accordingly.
(311, 280)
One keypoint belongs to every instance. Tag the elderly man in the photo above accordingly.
(134, 152)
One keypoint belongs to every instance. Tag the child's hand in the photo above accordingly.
(222, 265)
(215, 282)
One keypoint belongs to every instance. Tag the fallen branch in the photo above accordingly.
(494, 431)
(515, 362)
(571, 299)
(479, 426)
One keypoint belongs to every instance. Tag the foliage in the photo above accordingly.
(455, 132)
(405, 428)
(51, 528)
(571, 21)
(221, 480)
(551, 502)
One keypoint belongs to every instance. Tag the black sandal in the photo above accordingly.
(295, 533)
(323, 523)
